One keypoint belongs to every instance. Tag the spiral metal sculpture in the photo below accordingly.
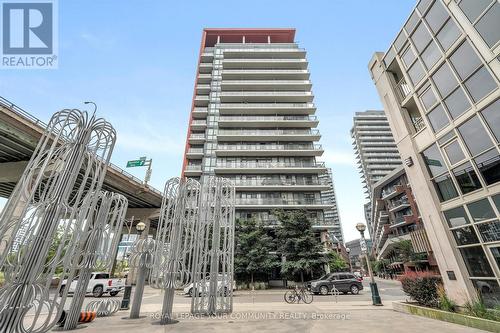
(103, 307)
(44, 220)
(98, 246)
(175, 238)
(213, 258)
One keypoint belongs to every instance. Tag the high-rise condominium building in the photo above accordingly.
(375, 149)
(252, 121)
(439, 84)
(331, 215)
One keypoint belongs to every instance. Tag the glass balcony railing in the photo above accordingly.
(268, 118)
(245, 165)
(280, 201)
(193, 167)
(397, 203)
(195, 151)
(270, 147)
(267, 132)
(265, 93)
(277, 182)
(266, 105)
(197, 136)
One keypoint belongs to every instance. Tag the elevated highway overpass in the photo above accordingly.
(19, 135)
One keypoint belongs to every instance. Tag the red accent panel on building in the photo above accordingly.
(229, 35)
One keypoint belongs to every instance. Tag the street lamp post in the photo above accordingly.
(141, 248)
(373, 285)
(348, 250)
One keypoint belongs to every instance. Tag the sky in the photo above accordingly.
(137, 61)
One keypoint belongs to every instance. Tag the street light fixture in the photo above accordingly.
(348, 250)
(140, 227)
(373, 285)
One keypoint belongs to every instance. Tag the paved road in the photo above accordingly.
(266, 311)
(389, 290)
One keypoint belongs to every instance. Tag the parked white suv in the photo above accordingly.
(189, 290)
(99, 284)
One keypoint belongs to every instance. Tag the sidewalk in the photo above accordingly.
(277, 319)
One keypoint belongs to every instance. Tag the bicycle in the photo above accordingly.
(297, 294)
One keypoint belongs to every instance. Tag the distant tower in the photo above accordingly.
(375, 149)
(332, 215)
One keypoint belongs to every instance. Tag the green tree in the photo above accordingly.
(298, 244)
(404, 250)
(336, 262)
(253, 249)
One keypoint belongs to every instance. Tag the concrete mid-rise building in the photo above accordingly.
(376, 151)
(331, 214)
(252, 121)
(439, 84)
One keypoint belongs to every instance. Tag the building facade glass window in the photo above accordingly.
(460, 95)
(466, 178)
(471, 130)
(476, 261)
(492, 116)
(481, 210)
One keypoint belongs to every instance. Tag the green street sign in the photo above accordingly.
(135, 163)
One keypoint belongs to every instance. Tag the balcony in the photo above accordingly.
(266, 184)
(250, 63)
(270, 168)
(202, 89)
(397, 205)
(204, 78)
(192, 170)
(262, 51)
(198, 124)
(200, 113)
(207, 56)
(390, 191)
(271, 203)
(267, 108)
(317, 223)
(201, 100)
(197, 138)
(418, 123)
(269, 150)
(195, 153)
(206, 67)
(265, 74)
(268, 121)
(268, 135)
(403, 88)
(259, 85)
(266, 96)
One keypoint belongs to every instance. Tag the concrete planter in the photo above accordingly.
(450, 317)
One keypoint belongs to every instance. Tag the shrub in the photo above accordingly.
(477, 308)
(421, 287)
(445, 303)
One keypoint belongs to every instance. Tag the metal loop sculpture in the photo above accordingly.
(43, 220)
(175, 240)
(103, 307)
(214, 250)
(97, 247)
(141, 258)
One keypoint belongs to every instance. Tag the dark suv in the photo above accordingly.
(343, 282)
